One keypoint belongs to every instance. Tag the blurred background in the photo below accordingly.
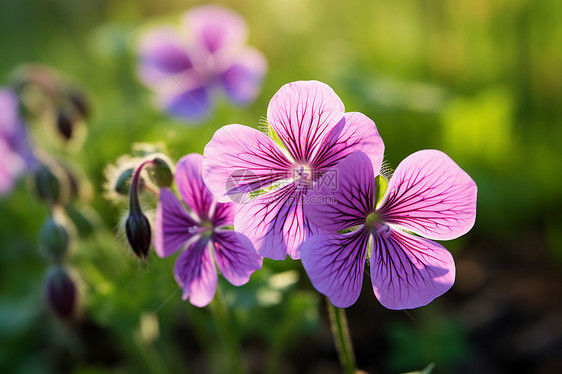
(478, 79)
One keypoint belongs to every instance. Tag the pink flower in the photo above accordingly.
(15, 152)
(208, 53)
(313, 135)
(202, 234)
(428, 195)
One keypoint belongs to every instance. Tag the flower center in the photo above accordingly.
(205, 229)
(373, 223)
(303, 175)
(371, 220)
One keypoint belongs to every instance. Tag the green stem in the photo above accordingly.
(342, 340)
(222, 316)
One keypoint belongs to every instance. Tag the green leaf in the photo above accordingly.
(427, 370)
(381, 185)
(273, 135)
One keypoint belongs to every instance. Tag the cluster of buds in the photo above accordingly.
(56, 186)
(62, 105)
(46, 98)
(148, 170)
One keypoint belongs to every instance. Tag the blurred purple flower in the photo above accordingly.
(15, 153)
(184, 67)
(428, 195)
(203, 234)
(312, 134)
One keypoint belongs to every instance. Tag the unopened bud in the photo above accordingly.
(79, 102)
(160, 172)
(54, 239)
(73, 177)
(60, 292)
(139, 233)
(123, 183)
(85, 219)
(65, 125)
(47, 185)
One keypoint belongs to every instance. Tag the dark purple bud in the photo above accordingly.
(137, 225)
(139, 233)
(60, 293)
(54, 239)
(65, 125)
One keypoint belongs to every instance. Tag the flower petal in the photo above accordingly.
(190, 104)
(8, 113)
(240, 159)
(275, 224)
(356, 132)
(172, 224)
(196, 273)
(216, 27)
(430, 195)
(335, 264)
(408, 271)
(161, 54)
(303, 113)
(344, 196)
(190, 184)
(236, 257)
(242, 80)
(11, 165)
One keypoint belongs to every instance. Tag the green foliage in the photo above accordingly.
(381, 185)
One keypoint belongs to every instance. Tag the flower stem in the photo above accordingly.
(133, 194)
(222, 316)
(342, 340)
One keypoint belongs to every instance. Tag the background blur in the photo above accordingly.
(479, 79)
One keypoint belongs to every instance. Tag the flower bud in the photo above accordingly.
(60, 292)
(54, 239)
(77, 182)
(160, 172)
(47, 185)
(123, 183)
(78, 100)
(85, 219)
(65, 125)
(139, 233)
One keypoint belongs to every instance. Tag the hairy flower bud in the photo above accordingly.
(54, 239)
(122, 184)
(139, 233)
(60, 292)
(160, 172)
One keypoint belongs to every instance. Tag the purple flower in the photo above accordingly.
(185, 66)
(428, 195)
(203, 235)
(313, 134)
(15, 152)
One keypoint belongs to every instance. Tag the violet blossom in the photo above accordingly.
(203, 234)
(428, 195)
(313, 134)
(15, 153)
(208, 53)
